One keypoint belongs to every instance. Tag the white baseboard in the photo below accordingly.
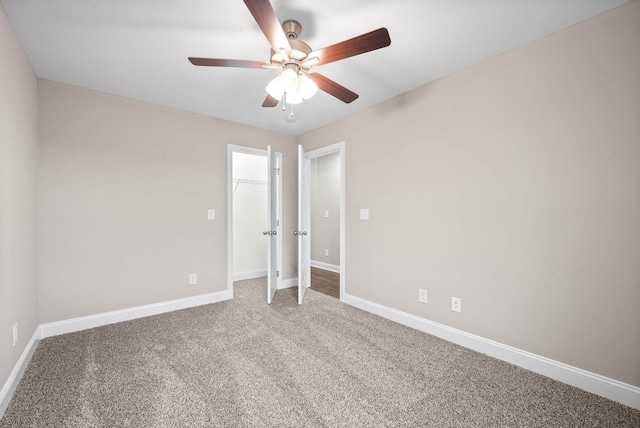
(288, 283)
(608, 388)
(285, 283)
(91, 321)
(325, 266)
(612, 389)
(11, 384)
(249, 275)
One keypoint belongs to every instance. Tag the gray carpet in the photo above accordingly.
(244, 363)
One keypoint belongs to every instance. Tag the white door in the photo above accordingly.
(274, 223)
(304, 223)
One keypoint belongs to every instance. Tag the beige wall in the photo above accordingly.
(124, 189)
(325, 196)
(18, 162)
(514, 185)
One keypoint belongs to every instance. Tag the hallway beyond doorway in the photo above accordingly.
(326, 282)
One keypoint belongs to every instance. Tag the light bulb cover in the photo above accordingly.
(275, 89)
(293, 97)
(306, 86)
(289, 80)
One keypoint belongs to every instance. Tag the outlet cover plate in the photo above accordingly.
(422, 295)
(456, 304)
(193, 279)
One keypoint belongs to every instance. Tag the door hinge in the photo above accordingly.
(278, 222)
(277, 171)
(277, 274)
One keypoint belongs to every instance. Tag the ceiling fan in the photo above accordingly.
(294, 58)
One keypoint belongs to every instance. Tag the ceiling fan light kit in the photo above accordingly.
(294, 58)
(296, 86)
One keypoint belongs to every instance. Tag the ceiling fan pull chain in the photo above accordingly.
(291, 117)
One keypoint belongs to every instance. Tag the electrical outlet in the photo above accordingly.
(193, 279)
(456, 304)
(326, 253)
(15, 334)
(422, 295)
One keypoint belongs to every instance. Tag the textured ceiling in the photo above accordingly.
(139, 48)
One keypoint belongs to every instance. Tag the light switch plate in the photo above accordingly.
(422, 295)
(211, 214)
(364, 214)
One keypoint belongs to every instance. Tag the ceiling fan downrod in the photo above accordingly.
(292, 28)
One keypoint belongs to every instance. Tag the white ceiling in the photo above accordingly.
(139, 48)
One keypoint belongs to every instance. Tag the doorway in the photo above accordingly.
(326, 195)
(325, 224)
(249, 178)
(254, 244)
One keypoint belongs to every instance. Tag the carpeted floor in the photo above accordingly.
(244, 363)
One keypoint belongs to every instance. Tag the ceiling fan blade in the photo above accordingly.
(267, 20)
(239, 63)
(333, 88)
(270, 101)
(358, 45)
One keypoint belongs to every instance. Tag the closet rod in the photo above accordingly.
(239, 181)
(243, 181)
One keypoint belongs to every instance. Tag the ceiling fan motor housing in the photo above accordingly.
(299, 49)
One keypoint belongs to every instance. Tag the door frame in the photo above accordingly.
(231, 149)
(337, 148)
